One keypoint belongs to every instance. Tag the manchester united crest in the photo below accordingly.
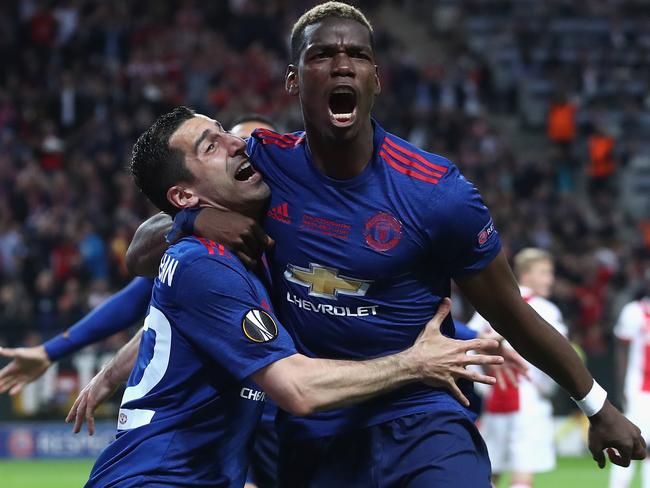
(383, 232)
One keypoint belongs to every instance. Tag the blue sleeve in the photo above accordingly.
(222, 315)
(252, 146)
(258, 157)
(468, 239)
(269, 151)
(117, 313)
(463, 332)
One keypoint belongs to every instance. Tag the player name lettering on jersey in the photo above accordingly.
(167, 269)
(332, 309)
(250, 394)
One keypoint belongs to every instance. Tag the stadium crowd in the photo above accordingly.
(82, 79)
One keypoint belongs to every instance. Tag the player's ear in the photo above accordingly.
(291, 80)
(182, 197)
(377, 82)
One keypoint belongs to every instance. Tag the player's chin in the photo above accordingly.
(255, 191)
(343, 131)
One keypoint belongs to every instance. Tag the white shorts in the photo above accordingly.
(519, 442)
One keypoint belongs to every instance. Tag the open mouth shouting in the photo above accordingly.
(342, 106)
(245, 172)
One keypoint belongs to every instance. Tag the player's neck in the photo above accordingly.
(254, 210)
(341, 159)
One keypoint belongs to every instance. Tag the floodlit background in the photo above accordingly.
(543, 104)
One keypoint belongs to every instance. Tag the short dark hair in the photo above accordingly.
(320, 12)
(155, 166)
(253, 117)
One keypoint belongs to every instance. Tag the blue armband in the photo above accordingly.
(183, 224)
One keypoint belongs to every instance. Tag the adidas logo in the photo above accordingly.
(281, 213)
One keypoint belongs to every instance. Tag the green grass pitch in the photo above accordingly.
(570, 473)
(576, 473)
(41, 474)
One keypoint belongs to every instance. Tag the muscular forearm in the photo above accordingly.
(537, 341)
(303, 385)
(118, 369)
(148, 245)
(312, 385)
(495, 294)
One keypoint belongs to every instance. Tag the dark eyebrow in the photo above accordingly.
(205, 134)
(201, 138)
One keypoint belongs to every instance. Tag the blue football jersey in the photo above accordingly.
(361, 265)
(189, 409)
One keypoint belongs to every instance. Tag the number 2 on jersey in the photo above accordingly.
(151, 365)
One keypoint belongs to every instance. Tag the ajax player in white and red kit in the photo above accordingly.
(633, 333)
(517, 424)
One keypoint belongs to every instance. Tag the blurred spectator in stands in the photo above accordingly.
(46, 304)
(92, 252)
(561, 124)
(15, 312)
(70, 306)
(602, 164)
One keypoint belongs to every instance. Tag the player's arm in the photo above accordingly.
(103, 385)
(495, 294)
(117, 313)
(148, 245)
(239, 233)
(303, 385)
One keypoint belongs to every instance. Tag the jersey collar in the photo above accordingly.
(378, 137)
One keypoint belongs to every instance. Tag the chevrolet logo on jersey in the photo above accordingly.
(325, 282)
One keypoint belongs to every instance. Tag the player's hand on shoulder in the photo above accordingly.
(440, 361)
(27, 365)
(94, 394)
(610, 431)
(242, 235)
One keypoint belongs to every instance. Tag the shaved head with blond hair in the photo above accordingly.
(320, 12)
